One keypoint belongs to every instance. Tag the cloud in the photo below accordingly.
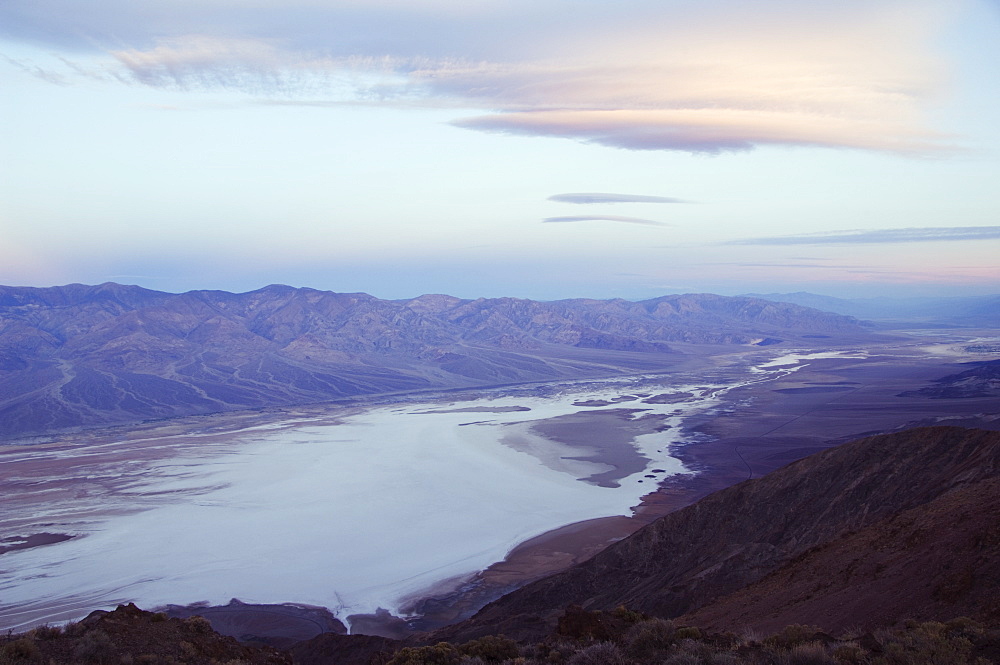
(613, 198)
(730, 82)
(879, 236)
(784, 265)
(255, 66)
(711, 77)
(602, 218)
(38, 72)
(709, 131)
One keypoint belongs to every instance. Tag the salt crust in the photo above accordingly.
(353, 516)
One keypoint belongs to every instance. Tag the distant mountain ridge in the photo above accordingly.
(960, 311)
(80, 355)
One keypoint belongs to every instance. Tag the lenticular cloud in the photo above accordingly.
(602, 218)
(651, 77)
(598, 197)
(880, 236)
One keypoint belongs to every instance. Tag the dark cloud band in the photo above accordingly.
(879, 236)
(602, 218)
(595, 197)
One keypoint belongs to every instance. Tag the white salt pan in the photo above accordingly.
(352, 516)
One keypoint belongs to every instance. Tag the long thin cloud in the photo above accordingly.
(613, 198)
(602, 218)
(710, 77)
(879, 236)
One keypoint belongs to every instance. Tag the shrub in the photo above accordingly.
(750, 636)
(199, 624)
(45, 632)
(627, 615)
(811, 653)
(554, 653)
(73, 629)
(94, 647)
(793, 635)
(23, 650)
(648, 639)
(927, 643)
(492, 648)
(688, 633)
(683, 659)
(723, 658)
(441, 653)
(602, 653)
(849, 653)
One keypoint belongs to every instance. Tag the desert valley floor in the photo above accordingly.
(429, 505)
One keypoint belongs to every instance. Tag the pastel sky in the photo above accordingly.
(543, 149)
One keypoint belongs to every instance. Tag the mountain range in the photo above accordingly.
(81, 355)
(968, 311)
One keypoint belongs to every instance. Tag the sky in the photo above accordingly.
(545, 149)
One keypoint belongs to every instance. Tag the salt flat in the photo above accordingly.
(354, 511)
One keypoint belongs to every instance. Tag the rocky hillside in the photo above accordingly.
(84, 355)
(129, 635)
(872, 531)
(942, 557)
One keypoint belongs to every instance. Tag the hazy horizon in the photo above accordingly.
(472, 296)
(537, 150)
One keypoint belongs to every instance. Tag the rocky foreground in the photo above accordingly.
(619, 637)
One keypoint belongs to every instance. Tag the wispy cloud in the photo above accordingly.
(878, 236)
(714, 77)
(613, 198)
(602, 218)
(783, 265)
(32, 69)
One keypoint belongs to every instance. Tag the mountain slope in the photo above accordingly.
(940, 557)
(739, 535)
(83, 355)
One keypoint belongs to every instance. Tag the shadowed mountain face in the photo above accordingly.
(864, 534)
(937, 561)
(87, 355)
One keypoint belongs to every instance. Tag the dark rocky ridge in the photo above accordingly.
(738, 536)
(937, 561)
(131, 635)
(79, 355)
